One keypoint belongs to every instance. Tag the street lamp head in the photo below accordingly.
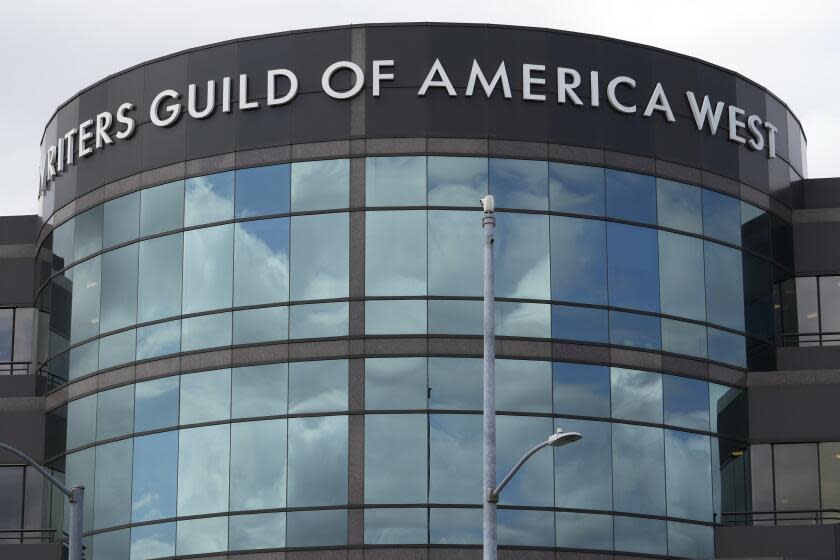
(561, 438)
(488, 203)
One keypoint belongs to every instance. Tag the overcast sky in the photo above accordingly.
(50, 49)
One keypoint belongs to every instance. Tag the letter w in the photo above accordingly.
(704, 113)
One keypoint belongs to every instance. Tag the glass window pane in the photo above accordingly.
(455, 265)
(533, 483)
(395, 181)
(830, 475)
(721, 217)
(639, 331)
(639, 473)
(636, 395)
(578, 260)
(317, 463)
(522, 256)
(208, 199)
(519, 183)
(681, 284)
(395, 383)
(115, 412)
(208, 268)
(724, 286)
(688, 475)
(584, 530)
(202, 536)
(63, 244)
(258, 465)
(633, 258)
(11, 508)
(159, 284)
(203, 469)
(588, 463)
(121, 220)
(319, 386)
(455, 526)
(112, 544)
(320, 320)
(640, 535)
(691, 541)
(161, 339)
(395, 262)
(686, 402)
(261, 191)
(755, 229)
(156, 404)
(727, 347)
(81, 421)
(80, 471)
(728, 410)
(117, 349)
(84, 359)
(162, 208)
(829, 303)
(807, 308)
(457, 181)
(395, 317)
(86, 286)
(259, 390)
(631, 196)
(455, 383)
(261, 262)
(119, 288)
(88, 232)
(320, 256)
(684, 338)
(679, 206)
(395, 458)
(252, 532)
(526, 528)
(152, 541)
(319, 185)
(6, 326)
(455, 317)
(795, 469)
(455, 458)
(112, 495)
(155, 471)
(581, 389)
(523, 386)
(577, 189)
(206, 331)
(205, 396)
(523, 319)
(268, 324)
(396, 526)
(316, 528)
(579, 323)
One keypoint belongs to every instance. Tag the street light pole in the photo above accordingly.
(76, 495)
(489, 477)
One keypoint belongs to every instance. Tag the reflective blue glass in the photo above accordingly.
(208, 268)
(261, 191)
(112, 494)
(584, 530)
(523, 319)
(679, 206)
(84, 321)
(526, 527)
(162, 208)
(317, 466)
(203, 470)
(396, 526)
(261, 262)
(117, 349)
(578, 260)
(721, 217)
(684, 338)
(581, 389)
(316, 528)
(688, 475)
(88, 233)
(640, 535)
(318, 320)
(636, 395)
(154, 489)
(724, 286)
(523, 386)
(81, 421)
(257, 465)
(639, 473)
(395, 262)
(320, 256)
(161, 339)
(455, 383)
(727, 347)
(631, 196)
(455, 317)
(252, 326)
(454, 264)
(262, 530)
(318, 386)
(522, 256)
(681, 281)
(519, 183)
(633, 258)
(205, 396)
(456, 181)
(396, 470)
(115, 412)
(121, 220)
(159, 278)
(156, 403)
(206, 331)
(84, 359)
(259, 390)
(588, 463)
(119, 288)
(62, 244)
(631, 329)
(395, 181)
(455, 458)
(686, 402)
(454, 526)
(755, 229)
(111, 544)
(532, 484)
(202, 536)
(320, 185)
(152, 541)
(687, 540)
(579, 323)
(395, 317)
(208, 199)
(395, 383)
(578, 189)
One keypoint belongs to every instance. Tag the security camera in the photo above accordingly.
(488, 204)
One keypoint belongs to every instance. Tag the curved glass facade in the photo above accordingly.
(261, 457)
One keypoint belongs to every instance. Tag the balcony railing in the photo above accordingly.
(26, 368)
(27, 536)
(779, 517)
(798, 339)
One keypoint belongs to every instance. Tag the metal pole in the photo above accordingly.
(489, 226)
(76, 496)
(77, 510)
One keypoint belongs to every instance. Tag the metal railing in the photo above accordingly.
(779, 517)
(25, 368)
(799, 339)
(27, 536)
